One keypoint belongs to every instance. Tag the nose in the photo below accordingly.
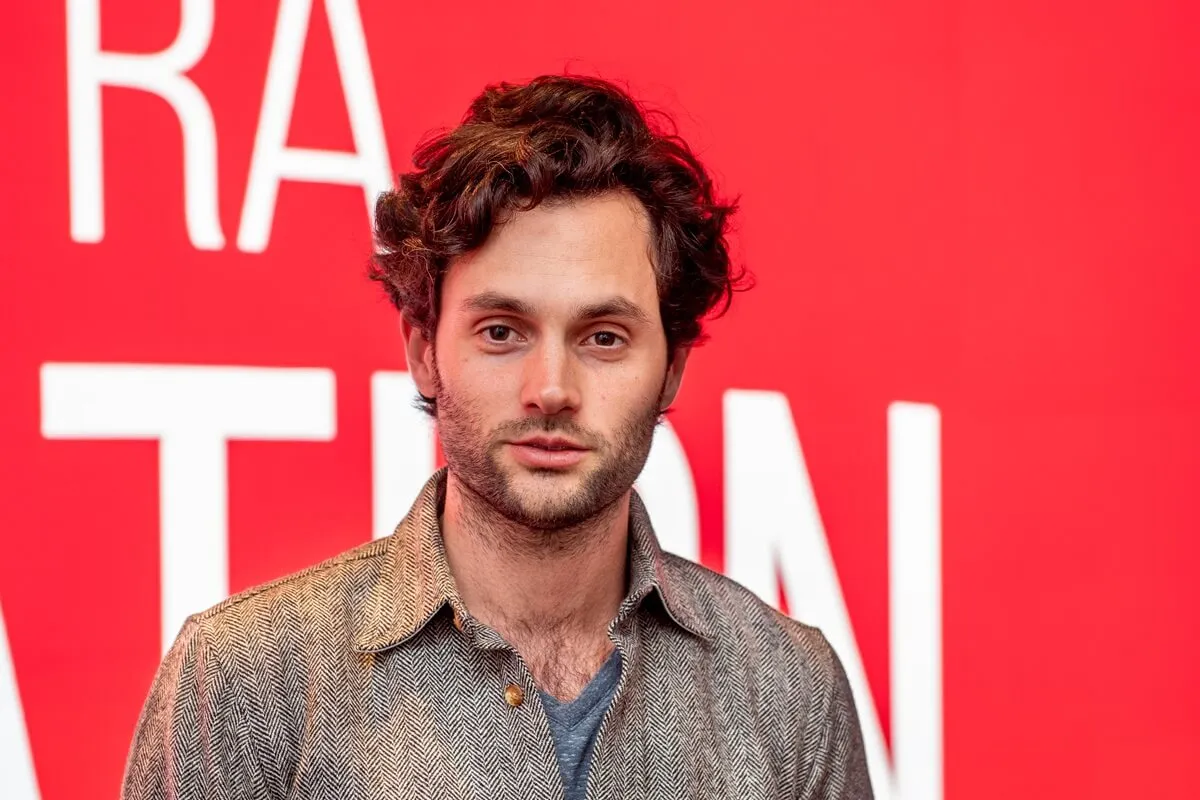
(551, 382)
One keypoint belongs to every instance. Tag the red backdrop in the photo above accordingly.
(987, 208)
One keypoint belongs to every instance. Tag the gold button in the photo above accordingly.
(514, 695)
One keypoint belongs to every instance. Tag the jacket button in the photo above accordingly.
(514, 695)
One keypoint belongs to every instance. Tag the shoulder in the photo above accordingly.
(248, 664)
(316, 601)
(748, 629)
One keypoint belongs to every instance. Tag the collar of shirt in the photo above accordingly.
(415, 582)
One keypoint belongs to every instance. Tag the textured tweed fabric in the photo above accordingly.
(366, 677)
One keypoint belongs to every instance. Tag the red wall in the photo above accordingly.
(986, 207)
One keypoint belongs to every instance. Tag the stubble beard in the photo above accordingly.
(548, 515)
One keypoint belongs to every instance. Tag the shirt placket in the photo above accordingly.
(609, 747)
(531, 743)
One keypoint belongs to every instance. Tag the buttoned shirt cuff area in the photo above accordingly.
(833, 760)
(192, 741)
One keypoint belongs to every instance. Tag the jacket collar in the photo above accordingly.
(415, 583)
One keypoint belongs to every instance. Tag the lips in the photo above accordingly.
(548, 452)
(550, 443)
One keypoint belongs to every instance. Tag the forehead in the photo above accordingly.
(560, 255)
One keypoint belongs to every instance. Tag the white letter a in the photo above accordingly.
(273, 160)
(17, 781)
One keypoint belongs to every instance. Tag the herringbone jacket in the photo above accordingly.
(366, 677)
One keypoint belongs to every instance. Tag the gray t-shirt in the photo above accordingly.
(575, 725)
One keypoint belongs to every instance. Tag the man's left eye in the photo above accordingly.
(498, 334)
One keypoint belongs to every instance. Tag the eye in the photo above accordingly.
(497, 334)
(607, 339)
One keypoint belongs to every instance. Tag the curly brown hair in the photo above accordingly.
(556, 137)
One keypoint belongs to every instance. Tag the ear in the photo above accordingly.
(419, 352)
(674, 376)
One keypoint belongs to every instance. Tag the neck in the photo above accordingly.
(536, 584)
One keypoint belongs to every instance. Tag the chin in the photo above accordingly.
(536, 488)
(549, 505)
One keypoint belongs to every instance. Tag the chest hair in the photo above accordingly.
(563, 665)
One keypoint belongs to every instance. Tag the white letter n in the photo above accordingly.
(772, 518)
(162, 73)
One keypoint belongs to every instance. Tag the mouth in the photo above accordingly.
(551, 443)
(548, 452)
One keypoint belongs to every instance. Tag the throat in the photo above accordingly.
(564, 669)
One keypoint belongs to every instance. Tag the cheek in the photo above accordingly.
(487, 385)
(614, 398)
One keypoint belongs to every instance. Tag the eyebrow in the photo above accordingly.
(612, 307)
(494, 301)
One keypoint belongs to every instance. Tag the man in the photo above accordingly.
(521, 634)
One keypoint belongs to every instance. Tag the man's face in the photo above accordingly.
(550, 363)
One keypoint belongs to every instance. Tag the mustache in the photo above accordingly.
(549, 426)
